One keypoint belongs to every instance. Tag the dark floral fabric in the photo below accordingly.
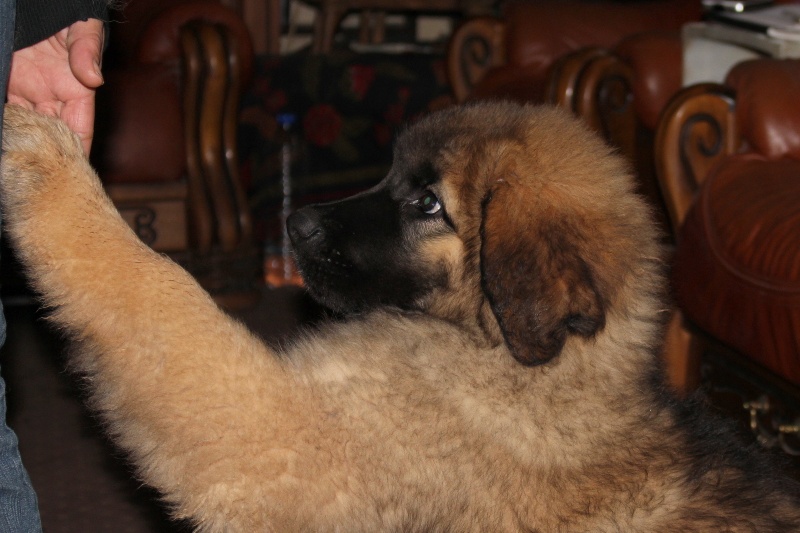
(347, 107)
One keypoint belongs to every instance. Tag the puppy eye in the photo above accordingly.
(428, 203)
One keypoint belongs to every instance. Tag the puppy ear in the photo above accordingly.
(539, 286)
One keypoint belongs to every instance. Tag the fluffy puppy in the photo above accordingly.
(498, 372)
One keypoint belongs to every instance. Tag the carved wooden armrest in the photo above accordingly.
(697, 129)
(564, 74)
(218, 209)
(476, 46)
(596, 85)
(605, 99)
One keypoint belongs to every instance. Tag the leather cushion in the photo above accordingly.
(737, 265)
(510, 82)
(160, 40)
(768, 105)
(538, 32)
(139, 135)
(657, 61)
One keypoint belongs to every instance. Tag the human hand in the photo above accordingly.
(59, 76)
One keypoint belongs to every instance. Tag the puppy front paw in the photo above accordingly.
(35, 148)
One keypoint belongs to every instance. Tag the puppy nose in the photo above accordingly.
(304, 226)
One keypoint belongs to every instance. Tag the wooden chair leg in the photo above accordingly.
(682, 352)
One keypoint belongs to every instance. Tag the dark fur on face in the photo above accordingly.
(366, 251)
(361, 252)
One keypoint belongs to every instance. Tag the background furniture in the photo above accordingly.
(621, 92)
(331, 13)
(729, 161)
(510, 56)
(263, 19)
(171, 166)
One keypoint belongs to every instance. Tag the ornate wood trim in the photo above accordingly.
(565, 73)
(604, 98)
(697, 129)
(218, 206)
(476, 46)
(222, 256)
(201, 225)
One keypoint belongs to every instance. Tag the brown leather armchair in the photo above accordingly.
(729, 161)
(620, 91)
(165, 144)
(510, 57)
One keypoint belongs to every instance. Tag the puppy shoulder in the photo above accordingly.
(395, 349)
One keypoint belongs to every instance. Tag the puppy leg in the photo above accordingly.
(205, 410)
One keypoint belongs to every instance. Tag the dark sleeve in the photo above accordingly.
(39, 19)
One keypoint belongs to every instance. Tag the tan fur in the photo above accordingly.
(399, 422)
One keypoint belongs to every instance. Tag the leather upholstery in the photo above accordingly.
(160, 40)
(656, 58)
(768, 105)
(511, 82)
(144, 142)
(539, 32)
(737, 264)
(560, 26)
(140, 135)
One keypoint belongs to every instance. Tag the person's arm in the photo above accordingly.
(39, 19)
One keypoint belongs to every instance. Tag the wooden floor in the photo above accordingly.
(83, 483)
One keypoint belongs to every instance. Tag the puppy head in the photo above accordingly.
(515, 222)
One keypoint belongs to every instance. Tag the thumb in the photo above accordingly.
(85, 48)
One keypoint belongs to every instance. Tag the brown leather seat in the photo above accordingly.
(737, 264)
(510, 57)
(656, 61)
